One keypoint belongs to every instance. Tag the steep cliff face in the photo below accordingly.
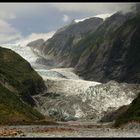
(113, 53)
(61, 45)
(99, 51)
(84, 47)
(18, 76)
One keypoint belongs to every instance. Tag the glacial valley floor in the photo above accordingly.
(71, 129)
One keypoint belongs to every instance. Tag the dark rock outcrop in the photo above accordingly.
(132, 114)
(113, 115)
(36, 44)
(36, 47)
(114, 53)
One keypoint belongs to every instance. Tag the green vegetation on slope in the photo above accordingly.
(18, 76)
(18, 81)
(13, 110)
(132, 114)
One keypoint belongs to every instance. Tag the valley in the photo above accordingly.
(75, 104)
(82, 81)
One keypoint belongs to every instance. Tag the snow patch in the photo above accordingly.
(103, 16)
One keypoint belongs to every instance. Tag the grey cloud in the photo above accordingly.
(8, 33)
(94, 7)
(30, 18)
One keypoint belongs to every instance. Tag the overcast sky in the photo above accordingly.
(27, 20)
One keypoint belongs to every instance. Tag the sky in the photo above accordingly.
(28, 21)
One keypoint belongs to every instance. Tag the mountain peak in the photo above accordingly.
(103, 16)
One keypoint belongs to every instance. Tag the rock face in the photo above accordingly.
(18, 82)
(36, 45)
(113, 115)
(62, 44)
(114, 53)
(99, 51)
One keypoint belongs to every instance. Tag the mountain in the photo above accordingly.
(17, 75)
(18, 82)
(112, 51)
(63, 42)
(103, 16)
(37, 43)
(99, 50)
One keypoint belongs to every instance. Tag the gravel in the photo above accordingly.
(77, 130)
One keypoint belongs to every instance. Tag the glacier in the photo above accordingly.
(69, 97)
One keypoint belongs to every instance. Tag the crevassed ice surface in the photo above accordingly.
(79, 99)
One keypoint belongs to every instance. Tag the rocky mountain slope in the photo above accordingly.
(113, 54)
(109, 52)
(36, 45)
(18, 82)
(63, 42)
(99, 50)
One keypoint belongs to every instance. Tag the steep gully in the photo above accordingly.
(71, 98)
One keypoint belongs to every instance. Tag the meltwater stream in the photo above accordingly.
(70, 97)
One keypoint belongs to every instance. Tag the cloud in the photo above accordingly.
(93, 7)
(5, 15)
(35, 36)
(20, 7)
(66, 18)
(32, 17)
(38, 18)
(8, 33)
